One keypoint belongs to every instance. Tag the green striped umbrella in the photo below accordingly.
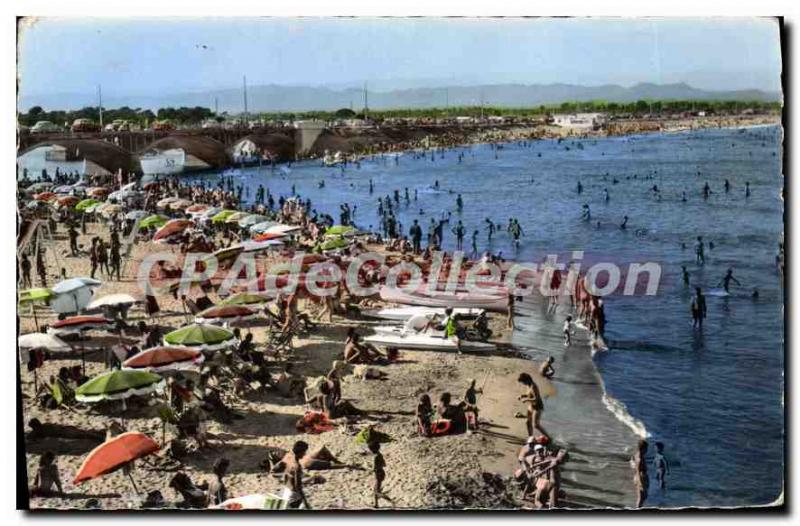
(154, 220)
(86, 204)
(334, 243)
(223, 216)
(339, 230)
(118, 385)
(246, 298)
(201, 336)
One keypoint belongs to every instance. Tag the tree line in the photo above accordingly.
(199, 114)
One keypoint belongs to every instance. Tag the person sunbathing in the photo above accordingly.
(357, 352)
(41, 430)
(331, 407)
(318, 459)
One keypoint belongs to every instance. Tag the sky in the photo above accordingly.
(130, 56)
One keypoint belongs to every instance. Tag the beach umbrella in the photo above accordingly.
(37, 341)
(114, 454)
(97, 192)
(255, 501)
(175, 226)
(201, 336)
(223, 216)
(196, 208)
(210, 212)
(44, 342)
(180, 204)
(72, 295)
(226, 314)
(153, 220)
(45, 196)
(67, 201)
(282, 229)
(38, 294)
(252, 219)
(110, 209)
(64, 189)
(236, 217)
(133, 215)
(255, 246)
(164, 203)
(33, 205)
(77, 324)
(86, 204)
(334, 243)
(112, 300)
(119, 385)
(162, 359)
(339, 230)
(246, 298)
(226, 253)
(33, 295)
(262, 227)
(267, 237)
(41, 186)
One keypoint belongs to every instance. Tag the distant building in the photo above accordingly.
(580, 121)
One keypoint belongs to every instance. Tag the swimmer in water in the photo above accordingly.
(727, 186)
(726, 281)
(747, 189)
(606, 196)
(698, 309)
(624, 224)
(685, 274)
(580, 187)
(586, 215)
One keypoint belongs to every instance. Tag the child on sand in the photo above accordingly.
(379, 469)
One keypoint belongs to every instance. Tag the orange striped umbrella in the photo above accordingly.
(115, 453)
(68, 200)
(98, 192)
(196, 208)
(173, 227)
(266, 237)
(45, 196)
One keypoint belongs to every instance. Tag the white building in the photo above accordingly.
(580, 121)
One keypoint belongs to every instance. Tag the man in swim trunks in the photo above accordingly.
(293, 478)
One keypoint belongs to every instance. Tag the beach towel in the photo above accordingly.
(441, 427)
(314, 423)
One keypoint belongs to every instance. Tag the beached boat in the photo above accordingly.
(437, 298)
(404, 313)
(393, 337)
(166, 162)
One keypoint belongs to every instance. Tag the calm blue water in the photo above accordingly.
(714, 399)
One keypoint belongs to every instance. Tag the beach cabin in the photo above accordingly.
(580, 121)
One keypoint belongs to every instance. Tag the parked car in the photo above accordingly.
(84, 125)
(163, 126)
(45, 127)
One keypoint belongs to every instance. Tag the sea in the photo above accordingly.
(714, 398)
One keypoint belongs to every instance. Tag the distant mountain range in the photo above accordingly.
(299, 98)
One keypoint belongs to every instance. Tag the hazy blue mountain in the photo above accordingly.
(296, 98)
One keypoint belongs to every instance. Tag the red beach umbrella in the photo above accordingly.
(115, 453)
(157, 359)
(225, 313)
(45, 196)
(267, 237)
(80, 323)
(176, 226)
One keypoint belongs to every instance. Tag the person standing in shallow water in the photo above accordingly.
(698, 309)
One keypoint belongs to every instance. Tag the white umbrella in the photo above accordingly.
(112, 300)
(252, 220)
(262, 227)
(72, 295)
(282, 229)
(42, 341)
(136, 214)
(254, 246)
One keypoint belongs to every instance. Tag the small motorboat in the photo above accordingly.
(404, 313)
(395, 337)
